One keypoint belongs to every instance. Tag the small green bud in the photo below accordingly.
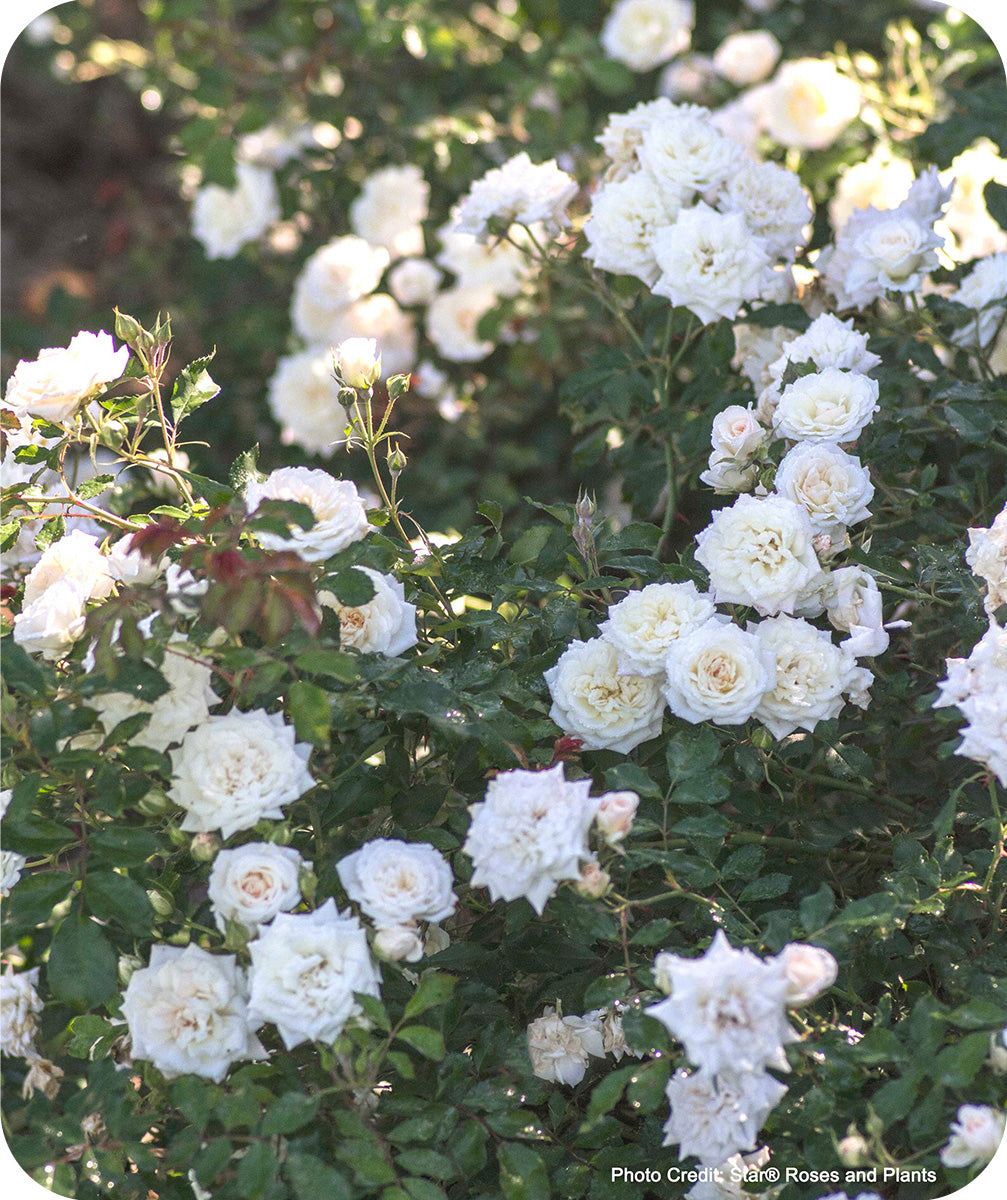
(762, 739)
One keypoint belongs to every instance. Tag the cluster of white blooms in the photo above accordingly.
(235, 769)
(977, 685)
(531, 832)
(645, 33)
(340, 516)
(560, 1047)
(975, 1136)
(886, 250)
(60, 379)
(399, 885)
(225, 219)
(683, 209)
(252, 883)
(385, 624)
(519, 192)
(729, 1011)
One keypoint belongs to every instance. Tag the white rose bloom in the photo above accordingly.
(645, 33)
(357, 362)
(644, 624)
(890, 252)
(713, 1117)
(853, 606)
(748, 57)
(19, 1006)
(334, 277)
(5, 799)
(54, 385)
(500, 266)
(596, 702)
(390, 210)
(622, 135)
(616, 811)
(414, 281)
(759, 552)
(879, 182)
(809, 971)
(397, 883)
(974, 233)
(187, 1013)
(987, 556)
(984, 289)
(774, 204)
(275, 144)
(254, 882)
(11, 866)
(625, 215)
(690, 77)
(225, 219)
(975, 1136)
(737, 432)
(559, 1047)
(755, 348)
(827, 342)
(129, 567)
(685, 153)
(303, 397)
(235, 769)
(430, 382)
(984, 738)
(379, 317)
(340, 516)
(831, 406)
(728, 1009)
(385, 624)
(710, 262)
(808, 103)
(997, 1061)
(717, 673)
(832, 486)
(741, 121)
(728, 475)
(812, 673)
(74, 558)
(985, 669)
(730, 1177)
(305, 969)
(51, 624)
(399, 943)
(529, 834)
(453, 318)
(519, 192)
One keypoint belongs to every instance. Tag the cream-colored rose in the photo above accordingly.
(75, 559)
(519, 192)
(334, 277)
(54, 385)
(645, 623)
(398, 943)
(452, 322)
(645, 33)
(593, 882)
(340, 516)
(831, 406)
(625, 216)
(379, 317)
(254, 882)
(559, 1047)
(391, 208)
(11, 866)
(728, 475)
(614, 818)
(398, 883)
(738, 432)
(303, 397)
(414, 281)
(718, 673)
(975, 1136)
(358, 362)
(831, 486)
(19, 1008)
(810, 970)
(808, 103)
(225, 219)
(51, 624)
(880, 182)
(748, 57)
(385, 624)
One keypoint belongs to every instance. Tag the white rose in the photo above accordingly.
(131, 567)
(645, 33)
(254, 882)
(737, 432)
(501, 266)
(831, 485)
(685, 153)
(5, 799)
(710, 263)
(235, 769)
(625, 216)
(519, 192)
(303, 397)
(391, 208)
(808, 103)
(827, 342)
(453, 318)
(715, 1116)
(809, 971)
(305, 969)
(748, 57)
(11, 866)
(74, 558)
(853, 605)
(379, 317)
(385, 624)
(880, 182)
(51, 624)
(691, 77)
(594, 701)
(187, 1013)
(54, 385)
(975, 1136)
(593, 882)
(987, 556)
(396, 883)
(529, 834)
(812, 673)
(997, 1060)
(340, 516)
(398, 943)
(984, 738)
(334, 277)
(622, 135)
(225, 219)
(759, 552)
(559, 1047)
(616, 811)
(645, 623)
(19, 1006)
(974, 233)
(984, 290)
(275, 144)
(831, 406)
(774, 204)
(717, 673)
(893, 252)
(414, 281)
(358, 362)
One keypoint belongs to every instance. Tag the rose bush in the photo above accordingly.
(376, 825)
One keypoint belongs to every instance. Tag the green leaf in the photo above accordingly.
(333, 663)
(257, 1171)
(607, 1093)
(351, 587)
(213, 493)
(815, 910)
(653, 932)
(211, 1160)
(193, 387)
(35, 896)
(94, 487)
(426, 1162)
(766, 887)
(244, 471)
(995, 195)
(312, 1179)
(289, 1113)
(956, 1066)
(113, 897)
(423, 1189)
(433, 989)
(428, 1041)
(530, 544)
(194, 1098)
(374, 1009)
(309, 708)
(522, 1172)
(90, 1036)
(82, 965)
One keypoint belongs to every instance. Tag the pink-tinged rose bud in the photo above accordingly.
(593, 882)
(358, 362)
(852, 1151)
(616, 811)
(810, 970)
